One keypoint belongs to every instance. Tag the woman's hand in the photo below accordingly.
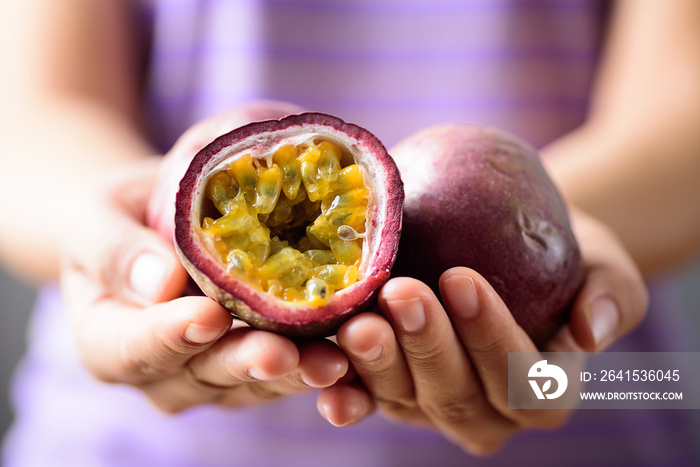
(122, 280)
(446, 367)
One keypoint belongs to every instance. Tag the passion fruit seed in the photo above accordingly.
(292, 225)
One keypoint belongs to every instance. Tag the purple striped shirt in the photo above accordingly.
(392, 66)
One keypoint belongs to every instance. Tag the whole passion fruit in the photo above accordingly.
(291, 224)
(480, 197)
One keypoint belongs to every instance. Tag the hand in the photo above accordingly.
(446, 368)
(121, 281)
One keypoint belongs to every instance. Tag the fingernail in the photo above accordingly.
(147, 275)
(198, 334)
(409, 314)
(604, 318)
(324, 411)
(461, 294)
(369, 355)
(327, 413)
(256, 373)
(309, 383)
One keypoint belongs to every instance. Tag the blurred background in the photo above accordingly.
(16, 299)
(687, 290)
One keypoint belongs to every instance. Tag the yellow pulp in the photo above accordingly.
(293, 229)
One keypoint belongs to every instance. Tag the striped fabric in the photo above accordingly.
(393, 66)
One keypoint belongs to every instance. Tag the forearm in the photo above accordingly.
(636, 163)
(53, 155)
(645, 190)
(69, 115)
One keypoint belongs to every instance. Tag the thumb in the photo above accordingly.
(113, 267)
(110, 245)
(153, 274)
(162, 339)
(120, 344)
(126, 260)
(106, 284)
(614, 298)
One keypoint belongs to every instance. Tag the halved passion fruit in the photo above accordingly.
(292, 224)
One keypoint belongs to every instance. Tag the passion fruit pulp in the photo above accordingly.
(291, 224)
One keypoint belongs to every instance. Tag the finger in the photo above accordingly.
(613, 299)
(247, 367)
(318, 364)
(321, 363)
(128, 344)
(240, 369)
(245, 355)
(488, 333)
(127, 259)
(447, 388)
(345, 404)
(369, 341)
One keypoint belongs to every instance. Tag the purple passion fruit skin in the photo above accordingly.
(479, 197)
(262, 140)
(160, 214)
